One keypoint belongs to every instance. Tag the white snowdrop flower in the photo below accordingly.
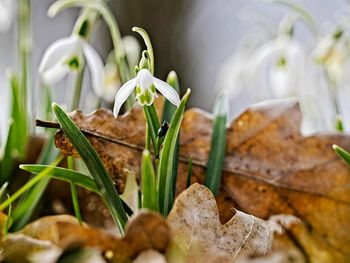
(146, 86)
(111, 82)
(7, 14)
(332, 52)
(132, 49)
(68, 55)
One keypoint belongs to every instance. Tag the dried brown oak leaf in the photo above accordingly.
(199, 236)
(270, 168)
(146, 230)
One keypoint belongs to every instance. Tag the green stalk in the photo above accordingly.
(148, 182)
(77, 89)
(165, 179)
(73, 190)
(94, 165)
(152, 125)
(24, 45)
(218, 145)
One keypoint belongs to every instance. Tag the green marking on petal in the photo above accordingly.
(74, 63)
(138, 90)
(153, 89)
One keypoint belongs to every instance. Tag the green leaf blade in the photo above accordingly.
(218, 145)
(165, 180)
(94, 165)
(148, 181)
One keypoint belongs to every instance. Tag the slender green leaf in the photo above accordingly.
(153, 124)
(169, 108)
(342, 153)
(71, 176)
(168, 112)
(73, 190)
(65, 175)
(165, 180)
(339, 124)
(148, 181)
(8, 220)
(218, 145)
(7, 161)
(189, 173)
(3, 189)
(19, 116)
(95, 166)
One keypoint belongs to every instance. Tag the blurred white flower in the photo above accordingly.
(111, 79)
(332, 51)
(132, 50)
(68, 55)
(7, 13)
(146, 86)
(111, 82)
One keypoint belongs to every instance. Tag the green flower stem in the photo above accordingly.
(29, 184)
(148, 43)
(73, 190)
(24, 45)
(77, 89)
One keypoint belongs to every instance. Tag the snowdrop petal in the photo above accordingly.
(7, 11)
(122, 95)
(54, 74)
(167, 91)
(95, 64)
(62, 48)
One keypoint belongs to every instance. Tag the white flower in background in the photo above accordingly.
(7, 13)
(110, 75)
(111, 82)
(332, 52)
(67, 55)
(146, 86)
(132, 50)
(281, 61)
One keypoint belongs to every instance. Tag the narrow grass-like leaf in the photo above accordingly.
(153, 124)
(95, 166)
(7, 161)
(218, 145)
(70, 176)
(3, 189)
(165, 180)
(342, 153)
(168, 112)
(73, 191)
(148, 181)
(65, 175)
(169, 108)
(8, 220)
(19, 116)
(189, 173)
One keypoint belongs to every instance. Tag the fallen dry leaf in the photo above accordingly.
(270, 168)
(199, 236)
(146, 230)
